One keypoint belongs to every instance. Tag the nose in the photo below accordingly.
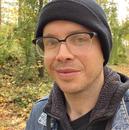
(64, 53)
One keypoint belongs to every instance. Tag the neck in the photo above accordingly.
(82, 102)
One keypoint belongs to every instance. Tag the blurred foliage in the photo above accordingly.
(119, 32)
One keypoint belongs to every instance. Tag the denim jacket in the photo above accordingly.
(38, 119)
(121, 119)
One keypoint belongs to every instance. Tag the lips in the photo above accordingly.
(67, 72)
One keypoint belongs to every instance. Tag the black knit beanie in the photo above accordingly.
(85, 12)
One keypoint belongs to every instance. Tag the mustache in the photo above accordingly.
(66, 65)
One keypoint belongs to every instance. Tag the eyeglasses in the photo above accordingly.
(73, 41)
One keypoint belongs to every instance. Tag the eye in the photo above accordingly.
(79, 39)
(50, 42)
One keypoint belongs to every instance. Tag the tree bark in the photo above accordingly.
(0, 13)
(19, 12)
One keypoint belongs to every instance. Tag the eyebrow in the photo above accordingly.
(72, 32)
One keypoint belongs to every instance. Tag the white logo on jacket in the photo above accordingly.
(42, 119)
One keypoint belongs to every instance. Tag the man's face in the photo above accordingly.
(73, 69)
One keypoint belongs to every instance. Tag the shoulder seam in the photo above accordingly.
(42, 99)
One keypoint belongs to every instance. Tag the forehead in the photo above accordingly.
(63, 25)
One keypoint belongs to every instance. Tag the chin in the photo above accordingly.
(70, 89)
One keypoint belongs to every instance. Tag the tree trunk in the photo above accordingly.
(19, 12)
(40, 4)
(0, 14)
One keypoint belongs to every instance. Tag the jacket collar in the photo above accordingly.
(111, 94)
(109, 99)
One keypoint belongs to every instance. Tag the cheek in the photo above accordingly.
(91, 59)
(47, 58)
(47, 63)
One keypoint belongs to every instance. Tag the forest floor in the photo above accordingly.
(12, 115)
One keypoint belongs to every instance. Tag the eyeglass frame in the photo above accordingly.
(61, 41)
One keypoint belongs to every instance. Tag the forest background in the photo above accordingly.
(23, 79)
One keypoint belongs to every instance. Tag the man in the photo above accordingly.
(75, 40)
